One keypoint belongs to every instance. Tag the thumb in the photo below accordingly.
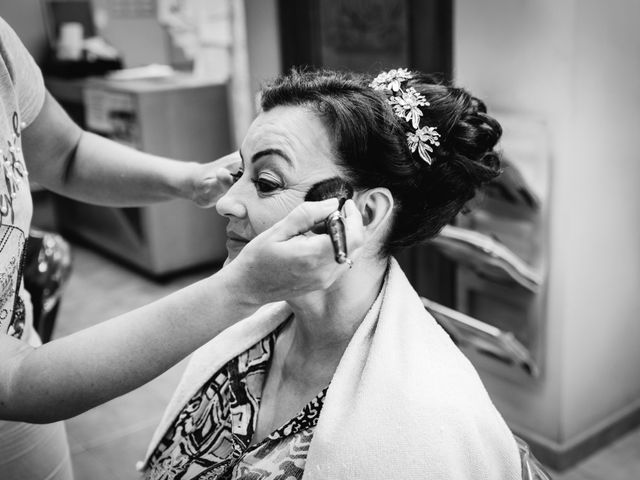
(231, 161)
(302, 218)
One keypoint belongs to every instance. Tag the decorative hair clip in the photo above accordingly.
(406, 105)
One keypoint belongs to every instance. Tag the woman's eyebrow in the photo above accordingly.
(271, 151)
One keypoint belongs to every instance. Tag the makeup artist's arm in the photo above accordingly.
(78, 164)
(70, 375)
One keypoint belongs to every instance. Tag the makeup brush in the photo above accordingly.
(334, 187)
(334, 224)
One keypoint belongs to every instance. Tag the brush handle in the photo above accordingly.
(334, 224)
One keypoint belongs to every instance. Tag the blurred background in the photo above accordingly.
(538, 284)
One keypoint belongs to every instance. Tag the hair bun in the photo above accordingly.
(473, 140)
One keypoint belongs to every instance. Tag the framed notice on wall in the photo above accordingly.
(367, 35)
(364, 35)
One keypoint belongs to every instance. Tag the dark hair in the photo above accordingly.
(371, 145)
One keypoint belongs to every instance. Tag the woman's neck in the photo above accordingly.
(326, 320)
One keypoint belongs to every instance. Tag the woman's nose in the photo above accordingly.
(230, 204)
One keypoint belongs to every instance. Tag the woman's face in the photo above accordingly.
(285, 152)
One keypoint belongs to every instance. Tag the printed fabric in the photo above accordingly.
(211, 438)
(21, 98)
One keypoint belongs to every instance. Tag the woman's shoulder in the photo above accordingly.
(447, 381)
(436, 376)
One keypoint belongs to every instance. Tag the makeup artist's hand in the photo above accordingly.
(288, 260)
(209, 181)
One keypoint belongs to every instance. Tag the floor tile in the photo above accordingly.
(142, 407)
(113, 460)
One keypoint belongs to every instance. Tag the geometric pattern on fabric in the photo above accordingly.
(211, 437)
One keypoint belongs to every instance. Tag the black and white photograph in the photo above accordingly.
(319, 240)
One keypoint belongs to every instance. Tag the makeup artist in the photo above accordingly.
(65, 377)
(354, 380)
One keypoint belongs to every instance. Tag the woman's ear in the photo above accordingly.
(376, 207)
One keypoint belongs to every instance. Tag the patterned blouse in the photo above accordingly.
(210, 439)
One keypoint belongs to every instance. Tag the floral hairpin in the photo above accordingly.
(406, 105)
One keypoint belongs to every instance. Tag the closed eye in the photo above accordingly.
(267, 184)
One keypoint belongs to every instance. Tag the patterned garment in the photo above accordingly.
(210, 439)
(21, 98)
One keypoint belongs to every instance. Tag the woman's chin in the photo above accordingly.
(231, 255)
(233, 252)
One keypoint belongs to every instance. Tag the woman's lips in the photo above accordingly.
(235, 241)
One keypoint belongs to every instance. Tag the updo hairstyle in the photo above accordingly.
(371, 146)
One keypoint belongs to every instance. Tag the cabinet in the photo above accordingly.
(178, 117)
(500, 254)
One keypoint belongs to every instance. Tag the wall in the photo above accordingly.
(602, 366)
(26, 19)
(262, 33)
(573, 63)
(263, 41)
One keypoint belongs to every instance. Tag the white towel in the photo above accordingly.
(404, 403)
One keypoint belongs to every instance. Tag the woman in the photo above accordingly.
(41, 384)
(354, 381)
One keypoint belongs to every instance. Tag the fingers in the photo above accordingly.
(231, 161)
(210, 189)
(303, 218)
(354, 229)
(319, 248)
(311, 259)
(212, 180)
(308, 260)
(224, 178)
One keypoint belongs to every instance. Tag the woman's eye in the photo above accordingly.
(266, 184)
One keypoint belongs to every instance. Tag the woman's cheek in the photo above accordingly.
(275, 208)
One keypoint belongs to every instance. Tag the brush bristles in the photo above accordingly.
(331, 188)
